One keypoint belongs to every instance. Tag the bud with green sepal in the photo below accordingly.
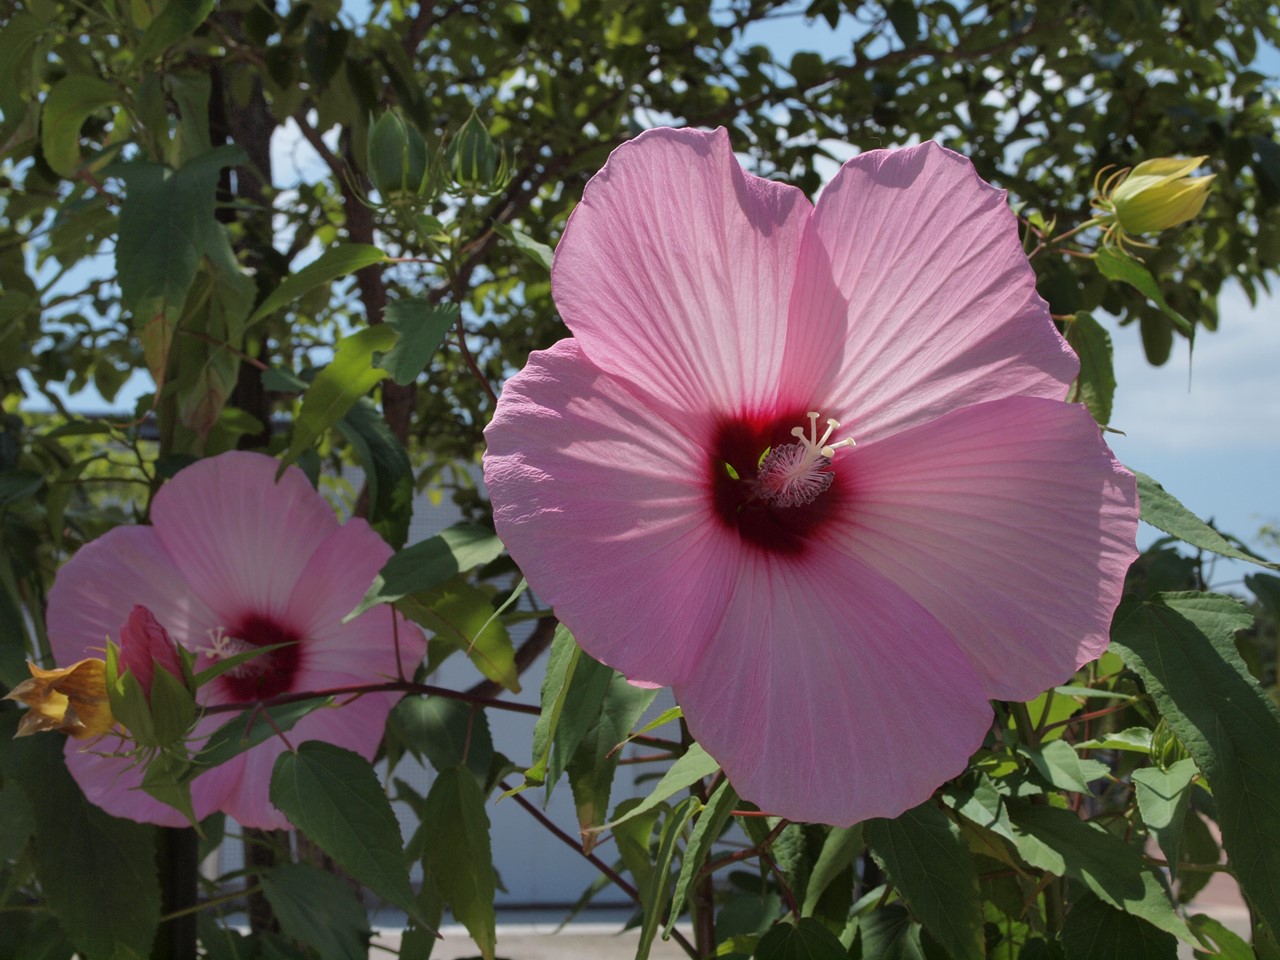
(402, 169)
(150, 682)
(477, 164)
(1155, 195)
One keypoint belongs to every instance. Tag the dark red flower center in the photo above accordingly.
(745, 457)
(266, 675)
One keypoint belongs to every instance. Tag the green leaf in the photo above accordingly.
(839, 849)
(1058, 762)
(334, 796)
(1183, 647)
(1225, 944)
(74, 840)
(462, 616)
(1060, 842)
(562, 661)
(166, 225)
(457, 855)
(1095, 931)
(333, 263)
(1162, 801)
(588, 688)
(70, 102)
(1117, 265)
(1095, 387)
(695, 765)
(421, 326)
(925, 856)
(660, 878)
(539, 253)
(906, 21)
(450, 733)
(319, 909)
(706, 831)
(431, 563)
(1164, 512)
(593, 764)
(806, 940)
(890, 934)
(246, 730)
(177, 20)
(335, 390)
(387, 470)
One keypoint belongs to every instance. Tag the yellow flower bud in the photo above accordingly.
(71, 700)
(1153, 196)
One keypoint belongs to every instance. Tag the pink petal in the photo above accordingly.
(834, 696)
(588, 476)
(674, 271)
(98, 587)
(1011, 523)
(335, 581)
(913, 297)
(239, 539)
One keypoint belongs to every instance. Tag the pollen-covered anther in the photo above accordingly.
(795, 474)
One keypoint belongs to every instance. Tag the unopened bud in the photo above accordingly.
(398, 161)
(1153, 196)
(476, 163)
(150, 686)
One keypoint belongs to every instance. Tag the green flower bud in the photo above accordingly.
(398, 161)
(1153, 196)
(476, 163)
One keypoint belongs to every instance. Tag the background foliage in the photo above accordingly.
(365, 308)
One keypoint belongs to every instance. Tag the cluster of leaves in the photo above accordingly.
(149, 222)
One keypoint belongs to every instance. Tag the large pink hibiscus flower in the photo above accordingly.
(234, 560)
(832, 618)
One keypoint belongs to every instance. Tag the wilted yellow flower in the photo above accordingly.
(1153, 196)
(72, 700)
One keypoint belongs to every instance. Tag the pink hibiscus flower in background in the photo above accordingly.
(234, 560)
(833, 617)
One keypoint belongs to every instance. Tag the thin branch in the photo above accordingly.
(617, 879)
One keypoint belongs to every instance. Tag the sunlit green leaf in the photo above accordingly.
(695, 765)
(421, 326)
(1183, 647)
(177, 19)
(348, 377)
(431, 563)
(1095, 387)
(458, 857)
(333, 263)
(461, 615)
(1164, 512)
(1059, 842)
(711, 821)
(1117, 265)
(1162, 800)
(69, 104)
